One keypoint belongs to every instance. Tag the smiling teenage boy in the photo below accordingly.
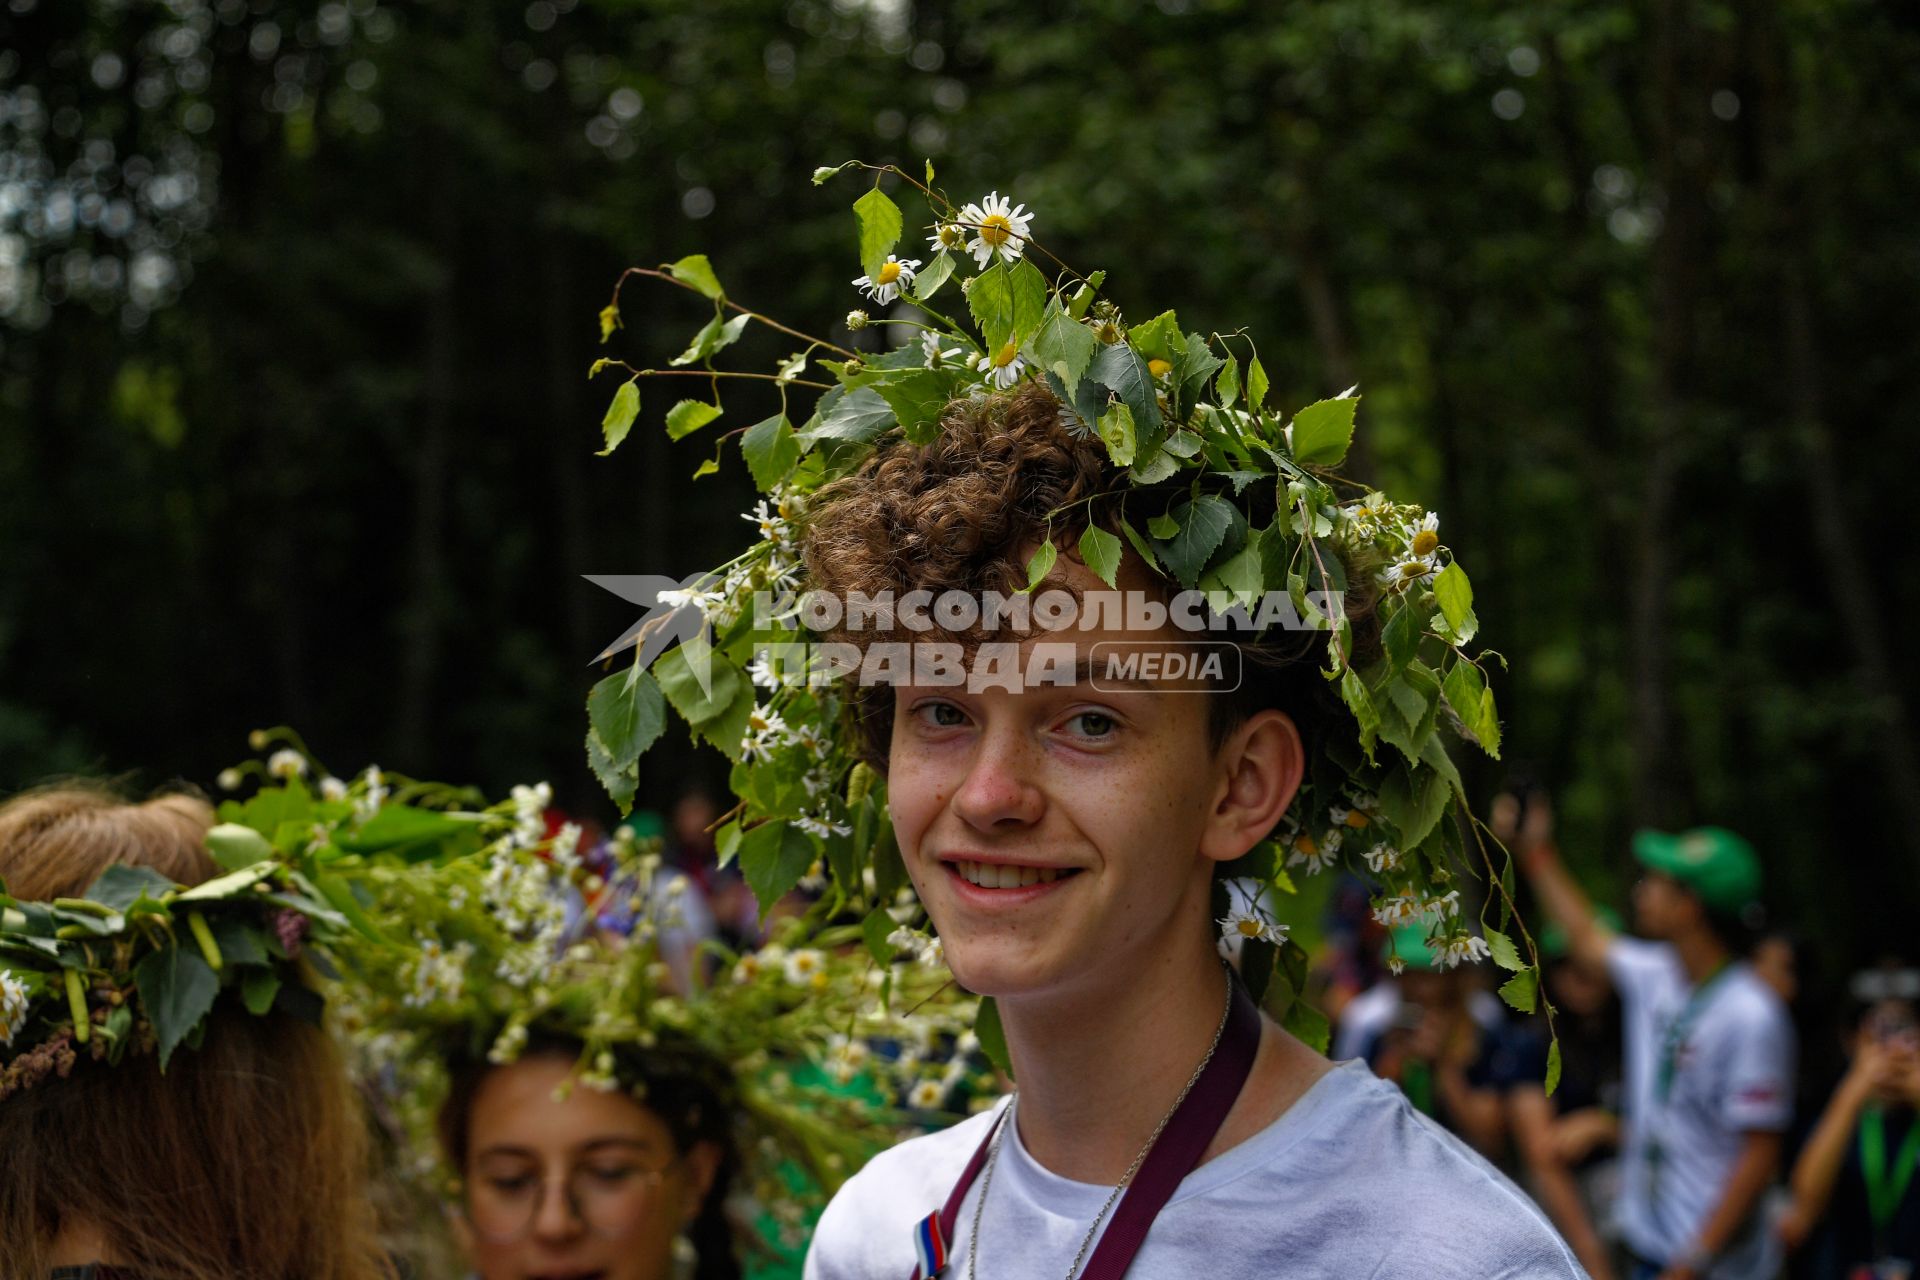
(1064, 840)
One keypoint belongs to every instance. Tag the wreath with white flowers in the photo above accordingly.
(1386, 803)
(472, 929)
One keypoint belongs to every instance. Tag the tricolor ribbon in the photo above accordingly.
(930, 1246)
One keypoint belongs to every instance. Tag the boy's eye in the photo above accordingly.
(1093, 724)
(941, 715)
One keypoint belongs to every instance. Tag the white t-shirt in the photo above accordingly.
(1732, 1074)
(1349, 1182)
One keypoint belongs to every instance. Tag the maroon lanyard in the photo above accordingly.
(1174, 1154)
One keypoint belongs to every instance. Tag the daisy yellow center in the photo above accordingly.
(1248, 928)
(1425, 541)
(996, 229)
(1356, 819)
(1412, 569)
(952, 237)
(1005, 358)
(1108, 332)
(1306, 845)
(1159, 368)
(887, 274)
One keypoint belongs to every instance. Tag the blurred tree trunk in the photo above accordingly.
(1597, 441)
(1856, 601)
(428, 589)
(1659, 793)
(562, 319)
(1320, 295)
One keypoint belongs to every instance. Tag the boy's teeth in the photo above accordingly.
(993, 875)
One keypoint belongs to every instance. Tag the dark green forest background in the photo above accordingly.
(297, 302)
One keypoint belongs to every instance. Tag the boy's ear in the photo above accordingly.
(1263, 762)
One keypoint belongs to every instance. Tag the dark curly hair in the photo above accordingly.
(962, 512)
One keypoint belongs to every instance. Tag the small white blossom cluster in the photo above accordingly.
(13, 1006)
(439, 974)
(929, 952)
(529, 815)
(1407, 907)
(373, 793)
(564, 849)
(1409, 535)
(1461, 947)
(287, 764)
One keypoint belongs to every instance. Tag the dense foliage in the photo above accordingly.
(296, 299)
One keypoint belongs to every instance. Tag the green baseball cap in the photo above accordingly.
(1713, 862)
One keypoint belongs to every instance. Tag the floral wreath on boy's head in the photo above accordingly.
(1191, 437)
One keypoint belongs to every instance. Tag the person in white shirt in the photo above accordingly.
(1064, 842)
(1709, 1050)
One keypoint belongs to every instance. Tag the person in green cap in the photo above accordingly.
(1709, 1048)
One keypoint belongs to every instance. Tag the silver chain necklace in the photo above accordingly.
(993, 1154)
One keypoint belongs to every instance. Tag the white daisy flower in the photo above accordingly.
(948, 237)
(704, 601)
(1426, 535)
(761, 671)
(1317, 855)
(766, 732)
(1003, 370)
(936, 355)
(1247, 923)
(773, 525)
(1447, 904)
(331, 788)
(1354, 818)
(230, 779)
(926, 1096)
(1462, 948)
(287, 763)
(815, 881)
(934, 954)
(1409, 570)
(13, 1006)
(1398, 909)
(1382, 857)
(1396, 966)
(999, 227)
(907, 940)
(893, 277)
(806, 965)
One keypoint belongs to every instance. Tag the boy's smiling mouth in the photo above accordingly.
(1005, 878)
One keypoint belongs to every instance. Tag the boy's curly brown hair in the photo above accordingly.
(963, 512)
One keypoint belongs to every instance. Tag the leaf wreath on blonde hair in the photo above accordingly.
(967, 457)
